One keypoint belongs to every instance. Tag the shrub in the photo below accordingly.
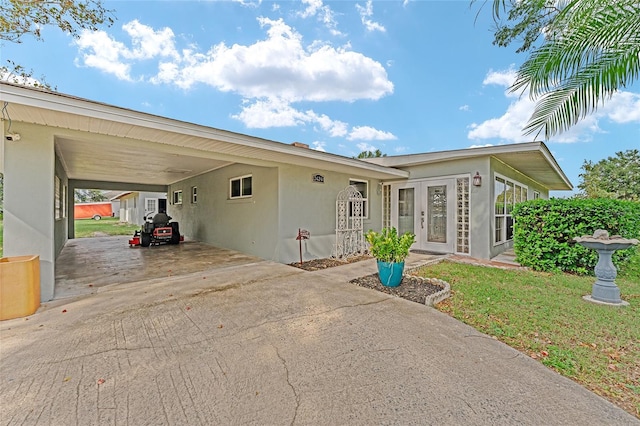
(388, 246)
(543, 231)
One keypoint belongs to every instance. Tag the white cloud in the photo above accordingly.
(148, 43)
(273, 112)
(323, 13)
(501, 78)
(280, 66)
(99, 50)
(622, 108)
(362, 146)
(313, 6)
(369, 134)
(319, 146)
(270, 75)
(465, 108)
(365, 13)
(481, 146)
(19, 79)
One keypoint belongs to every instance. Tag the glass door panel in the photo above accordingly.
(437, 214)
(406, 210)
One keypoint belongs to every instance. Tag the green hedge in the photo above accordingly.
(543, 231)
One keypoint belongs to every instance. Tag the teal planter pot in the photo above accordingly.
(390, 273)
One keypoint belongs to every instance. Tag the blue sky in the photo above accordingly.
(342, 76)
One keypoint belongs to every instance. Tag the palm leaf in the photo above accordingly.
(592, 51)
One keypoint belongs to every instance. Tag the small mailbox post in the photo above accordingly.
(303, 234)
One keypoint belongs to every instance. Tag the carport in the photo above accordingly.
(67, 142)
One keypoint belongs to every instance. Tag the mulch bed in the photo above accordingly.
(411, 288)
(318, 264)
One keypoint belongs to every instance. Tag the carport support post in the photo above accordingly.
(29, 181)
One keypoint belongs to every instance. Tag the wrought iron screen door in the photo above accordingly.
(349, 223)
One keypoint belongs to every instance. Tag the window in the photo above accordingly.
(240, 187)
(177, 197)
(64, 200)
(194, 194)
(363, 188)
(536, 195)
(506, 194)
(57, 198)
(151, 205)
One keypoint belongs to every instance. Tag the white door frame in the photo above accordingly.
(421, 212)
(155, 203)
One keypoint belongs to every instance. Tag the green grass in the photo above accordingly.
(106, 226)
(544, 316)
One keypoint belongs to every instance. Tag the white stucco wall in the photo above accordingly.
(284, 199)
(29, 201)
(249, 225)
(312, 206)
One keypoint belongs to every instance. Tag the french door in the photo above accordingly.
(427, 209)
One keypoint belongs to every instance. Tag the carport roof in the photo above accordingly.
(533, 159)
(105, 143)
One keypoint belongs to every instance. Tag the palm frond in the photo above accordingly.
(581, 66)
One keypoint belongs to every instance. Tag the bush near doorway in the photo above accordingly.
(543, 232)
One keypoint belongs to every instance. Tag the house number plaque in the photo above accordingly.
(317, 178)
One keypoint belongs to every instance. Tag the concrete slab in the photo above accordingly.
(86, 264)
(268, 344)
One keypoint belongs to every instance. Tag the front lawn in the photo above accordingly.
(544, 316)
(104, 227)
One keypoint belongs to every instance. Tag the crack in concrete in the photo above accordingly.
(295, 392)
(296, 317)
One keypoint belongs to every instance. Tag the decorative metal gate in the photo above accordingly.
(349, 217)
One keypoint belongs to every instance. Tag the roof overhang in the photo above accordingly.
(532, 159)
(100, 142)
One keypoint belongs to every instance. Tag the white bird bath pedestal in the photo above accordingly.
(604, 290)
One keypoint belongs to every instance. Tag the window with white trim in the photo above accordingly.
(363, 188)
(64, 200)
(177, 197)
(57, 203)
(194, 195)
(507, 193)
(241, 187)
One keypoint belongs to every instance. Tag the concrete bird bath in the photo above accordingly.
(605, 290)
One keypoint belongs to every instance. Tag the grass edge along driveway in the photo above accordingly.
(544, 316)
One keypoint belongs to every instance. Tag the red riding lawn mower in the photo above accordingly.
(156, 234)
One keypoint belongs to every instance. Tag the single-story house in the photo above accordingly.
(135, 206)
(246, 193)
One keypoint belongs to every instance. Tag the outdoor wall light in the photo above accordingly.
(477, 179)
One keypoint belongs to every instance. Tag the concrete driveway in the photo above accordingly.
(267, 344)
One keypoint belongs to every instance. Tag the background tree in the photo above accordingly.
(19, 18)
(89, 195)
(371, 154)
(614, 177)
(589, 50)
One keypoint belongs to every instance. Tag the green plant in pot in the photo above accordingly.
(390, 250)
